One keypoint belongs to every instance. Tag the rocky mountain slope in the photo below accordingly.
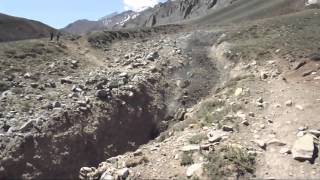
(164, 13)
(200, 100)
(114, 20)
(83, 26)
(14, 28)
(176, 11)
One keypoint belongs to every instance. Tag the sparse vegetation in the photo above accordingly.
(26, 106)
(186, 159)
(196, 139)
(4, 86)
(229, 161)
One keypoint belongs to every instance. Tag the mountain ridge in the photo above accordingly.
(15, 28)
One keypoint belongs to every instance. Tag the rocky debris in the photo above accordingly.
(285, 150)
(260, 143)
(300, 64)
(215, 136)
(299, 107)
(307, 73)
(27, 126)
(315, 56)
(56, 104)
(66, 80)
(276, 142)
(238, 92)
(183, 83)
(227, 128)
(88, 173)
(194, 170)
(34, 85)
(190, 148)
(152, 56)
(260, 102)
(106, 176)
(264, 75)
(301, 133)
(304, 148)
(138, 152)
(135, 161)
(289, 103)
(103, 94)
(74, 64)
(314, 132)
(245, 122)
(123, 173)
(180, 114)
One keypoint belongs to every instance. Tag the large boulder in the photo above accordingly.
(312, 2)
(303, 148)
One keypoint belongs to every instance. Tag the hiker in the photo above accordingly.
(51, 36)
(58, 36)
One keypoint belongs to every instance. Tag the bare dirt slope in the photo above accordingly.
(14, 28)
(171, 102)
(250, 124)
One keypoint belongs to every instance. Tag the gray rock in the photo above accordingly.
(27, 75)
(76, 88)
(263, 75)
(261, 144)
(123, 173)
(190, 148)
(307, 73)
(152, 56)
(102, 94)
(315, 56)
(227, 128)
(245, 122)
(315, 132)
(303, 148)
(124, 74)
(27, 126)
(289, 103)
(34, 85)
(285, 150)
(276, 142)
(66, 80)
(215, 136)
(106, 176)
(56, 104)
(299, 65)
(195, 169)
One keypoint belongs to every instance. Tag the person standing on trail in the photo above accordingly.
(51, 35)
(58, 36)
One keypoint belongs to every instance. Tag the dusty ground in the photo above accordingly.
(260, 58)
(152, 97)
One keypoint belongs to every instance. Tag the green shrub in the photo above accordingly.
(196, 139)
(229, 161)
(186, 159)
(4, 86)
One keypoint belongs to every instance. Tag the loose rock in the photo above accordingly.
(303, 148)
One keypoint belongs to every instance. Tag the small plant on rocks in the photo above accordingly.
(229, 161)
(196, 139)
(186, 159)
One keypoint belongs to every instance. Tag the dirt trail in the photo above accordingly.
(83, 48)
(304, 112)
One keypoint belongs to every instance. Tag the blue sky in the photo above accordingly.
(59, 13)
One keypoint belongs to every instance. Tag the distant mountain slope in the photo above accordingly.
(111, 21)
(176, 11)
(183, 11)
(250, 10)
(14, 28)
(171, 11)
(83, 26)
